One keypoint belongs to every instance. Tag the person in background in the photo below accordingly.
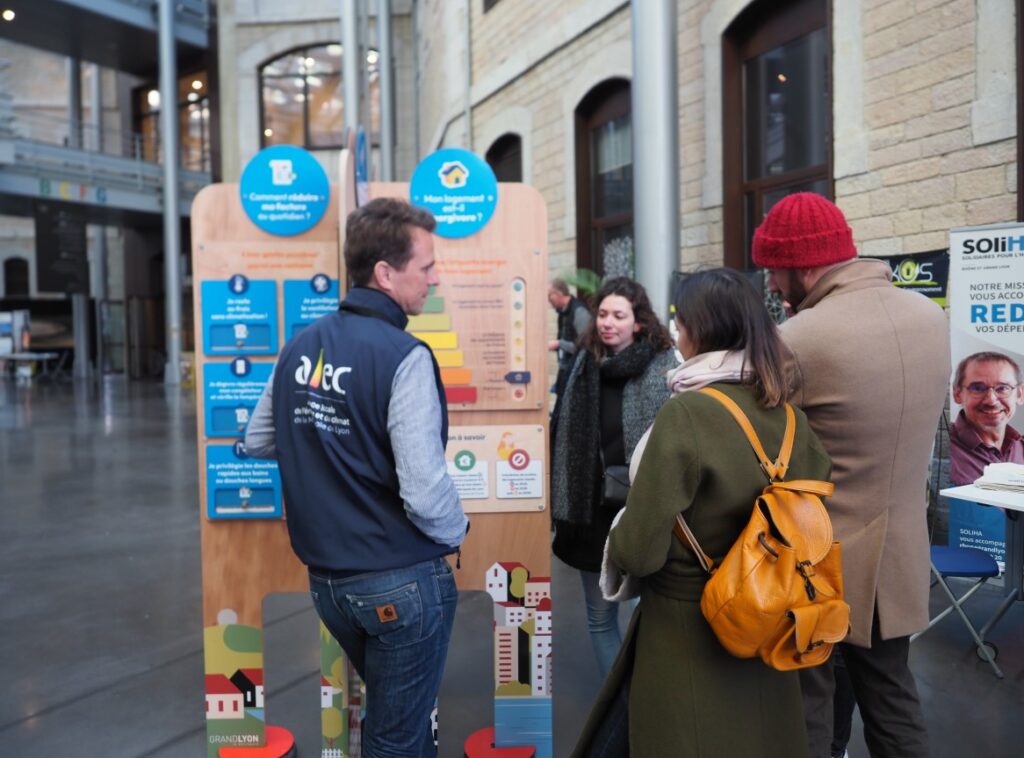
(355, 414)
(612, 394)
(871, 362)
(989, 387)
(674, 690)
(573, 319)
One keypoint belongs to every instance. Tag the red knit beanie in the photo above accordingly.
(803, 230)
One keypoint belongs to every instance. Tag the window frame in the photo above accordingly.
(143, 116)
(606, 101)
(762, 27)
(371, 133)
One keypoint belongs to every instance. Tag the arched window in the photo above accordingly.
(604, 180)
(301, 98)
(15, 277)
(505, 156)
(777, 114)
(193, 121)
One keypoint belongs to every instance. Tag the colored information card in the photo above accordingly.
(306, 300)
(238, 486)
(239, 316)
(230, 393)
(498, 468)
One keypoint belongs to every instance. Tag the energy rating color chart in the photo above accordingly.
(476, 324)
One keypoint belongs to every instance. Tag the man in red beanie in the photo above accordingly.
(872, 363)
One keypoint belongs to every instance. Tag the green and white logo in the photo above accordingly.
(464, 460)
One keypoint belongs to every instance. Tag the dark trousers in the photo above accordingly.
(886, 694)
(844, 703)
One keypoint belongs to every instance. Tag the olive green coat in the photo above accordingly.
(689, 697)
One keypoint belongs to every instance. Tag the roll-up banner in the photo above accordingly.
(986, 314)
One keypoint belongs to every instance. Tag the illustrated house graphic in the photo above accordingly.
(453, 174)
(538, 588)
(327, 693)
(250, 683)
(540, 663)
(543, 617)
(506, 661)
(223, 700)
(499, 578)
(540, 650)
(509, 614)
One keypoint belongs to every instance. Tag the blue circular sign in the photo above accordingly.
(320, 283)
(284, 190)
(238, 284)
(459, 188)
(241, 366)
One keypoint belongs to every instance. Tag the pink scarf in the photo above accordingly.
(708, 368)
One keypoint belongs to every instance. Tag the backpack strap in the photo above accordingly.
(773, 470)
(687, 537)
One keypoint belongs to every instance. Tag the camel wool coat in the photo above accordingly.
(872, 364)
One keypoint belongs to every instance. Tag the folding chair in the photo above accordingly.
(963, 563)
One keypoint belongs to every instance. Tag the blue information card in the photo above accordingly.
(239, 317)
(459, 188)
(230, 393)
(306, 300)
(241, 487)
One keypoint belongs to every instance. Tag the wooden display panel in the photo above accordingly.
(246, 559)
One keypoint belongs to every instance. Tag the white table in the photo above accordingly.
(33, 357)
(1012, 504)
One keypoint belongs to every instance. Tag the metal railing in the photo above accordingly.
(193, 15)
(51, 129)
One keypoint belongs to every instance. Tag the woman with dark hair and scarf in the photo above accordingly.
(613, 393)
(674, 690)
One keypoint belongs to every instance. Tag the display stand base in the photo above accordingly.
(480, 744)
(280, 744)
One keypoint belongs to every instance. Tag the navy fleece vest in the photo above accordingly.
(332, 388)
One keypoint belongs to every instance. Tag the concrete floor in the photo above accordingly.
(100, 604)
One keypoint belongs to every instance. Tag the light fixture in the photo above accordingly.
(782, 78)
(7, 15)
(268, 132)
(334, 50)
(310, 62)
(192, 97)
(372, 57)
(196, 84)
(153, 98)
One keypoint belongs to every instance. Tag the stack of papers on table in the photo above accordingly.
(1004, 477)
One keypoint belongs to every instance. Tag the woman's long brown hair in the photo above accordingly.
(721, 310)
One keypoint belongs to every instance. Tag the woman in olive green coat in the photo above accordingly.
(674, 690)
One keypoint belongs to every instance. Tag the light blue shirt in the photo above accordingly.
(414, 421)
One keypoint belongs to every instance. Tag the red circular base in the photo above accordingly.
(280, 743)
(480, 744)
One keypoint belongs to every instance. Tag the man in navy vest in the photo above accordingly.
(355, 414)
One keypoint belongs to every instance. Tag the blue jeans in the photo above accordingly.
(602, 622)
(394, 626)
